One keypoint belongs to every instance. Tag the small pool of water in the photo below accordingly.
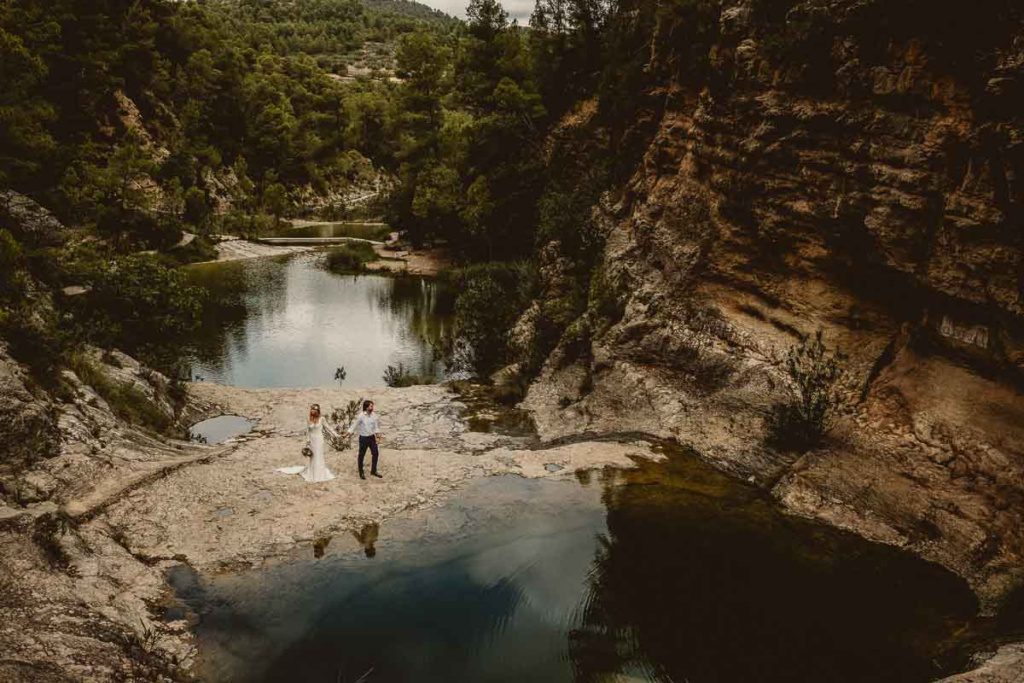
(671, 572)
(287, 322)
(219, 429)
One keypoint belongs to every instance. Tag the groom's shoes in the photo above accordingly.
(377, 475)
(362, 476)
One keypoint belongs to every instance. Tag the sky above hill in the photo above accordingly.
(517, 9)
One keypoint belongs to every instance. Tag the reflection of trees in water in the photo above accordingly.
(694, 583)
(423, 307)
(426, 305)
(257, 292)
(239, 291)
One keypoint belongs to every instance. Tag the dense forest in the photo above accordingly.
(133, 121)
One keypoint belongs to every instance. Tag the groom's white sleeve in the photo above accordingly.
(355, 422)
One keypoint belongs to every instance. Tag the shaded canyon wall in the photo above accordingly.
(850, 166)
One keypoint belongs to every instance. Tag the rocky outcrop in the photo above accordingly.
(77, 604)
(30, 223)
(82, 567)
(28, 425)
(835, 166)
(233, 508)
(1004, 666)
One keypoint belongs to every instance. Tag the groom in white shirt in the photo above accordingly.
(366, 424)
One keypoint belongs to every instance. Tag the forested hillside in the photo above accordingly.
(787, 235)
(135, 121)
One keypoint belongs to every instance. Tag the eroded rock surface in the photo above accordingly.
(865, 185)
(236, 508)
(83, 571)
(1004, 666)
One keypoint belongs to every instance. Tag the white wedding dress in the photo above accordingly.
(317, 469)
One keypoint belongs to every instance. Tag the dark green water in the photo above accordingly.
(287, 322)
(672, 572)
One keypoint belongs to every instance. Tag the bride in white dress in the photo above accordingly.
(317, 469)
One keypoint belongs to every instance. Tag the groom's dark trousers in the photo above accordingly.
(371, 443)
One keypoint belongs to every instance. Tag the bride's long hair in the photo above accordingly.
(314, 412)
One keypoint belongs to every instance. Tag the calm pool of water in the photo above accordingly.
(287, 322)
(671, 572)
(219, 429)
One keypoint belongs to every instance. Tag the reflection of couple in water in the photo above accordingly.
(366, 424)
(367, 537)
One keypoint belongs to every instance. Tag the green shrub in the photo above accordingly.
(490, 298)
(132, 228)
(127, 402)
(350, 258)
(33, 338)
(244, 224)
(799, 423)
(12, 279)
(400, 376)
(136, 303)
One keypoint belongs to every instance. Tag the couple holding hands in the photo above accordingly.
(366, 424)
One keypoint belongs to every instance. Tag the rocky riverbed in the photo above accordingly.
(85, 578)
(235, 508)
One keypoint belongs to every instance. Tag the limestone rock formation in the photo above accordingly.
(30, 223)
(839, 166)
(28, 428)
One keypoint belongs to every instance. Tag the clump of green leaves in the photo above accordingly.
(344, 416)
(31, 332)
(401, 376)
(350, 258)
(135, 303)
(490, 298)
(815, 374)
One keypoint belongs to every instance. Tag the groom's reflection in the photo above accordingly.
(367, 536)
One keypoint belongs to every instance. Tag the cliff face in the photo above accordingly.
(839, 165)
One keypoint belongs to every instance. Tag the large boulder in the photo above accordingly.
(29, 222)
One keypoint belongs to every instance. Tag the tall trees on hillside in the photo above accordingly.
(212, 83)
(473, 172)
(24, 113)
(566, 40)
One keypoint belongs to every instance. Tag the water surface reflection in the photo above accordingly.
(286, 322)
(671, 572)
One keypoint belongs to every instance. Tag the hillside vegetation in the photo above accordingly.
(131, 122)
